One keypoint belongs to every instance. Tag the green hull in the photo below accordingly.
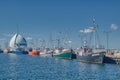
(66, 55)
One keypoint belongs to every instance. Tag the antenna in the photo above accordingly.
(81, 37)
(93, 19)
(17, 28)
(50, 41)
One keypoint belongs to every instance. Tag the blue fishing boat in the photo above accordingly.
(19, 52)
(1, 51)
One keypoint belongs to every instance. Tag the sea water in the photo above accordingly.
(26, 67)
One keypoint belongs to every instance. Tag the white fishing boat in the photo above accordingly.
(18, 44)
(45, 52)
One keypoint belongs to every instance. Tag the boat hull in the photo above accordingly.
(34, 53)
(91, 58)
(19, 52)
(1, 51)
(66, 55)
(111, 60)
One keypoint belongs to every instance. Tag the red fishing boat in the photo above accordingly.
(34, 52)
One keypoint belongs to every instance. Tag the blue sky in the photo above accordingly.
(40, 18)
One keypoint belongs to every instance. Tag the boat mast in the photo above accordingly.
(58, 40)
(94, 28)
(17, 35)
(51, 41)
(43, 44)
(107, 36)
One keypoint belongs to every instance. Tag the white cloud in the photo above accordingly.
(86, 30)
(114, 27)
(69, 41)
(82, 31)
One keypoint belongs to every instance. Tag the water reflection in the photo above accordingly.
(25, 67)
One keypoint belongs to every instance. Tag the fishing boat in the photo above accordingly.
(46, 52)
(43, 51)
(1, 51)
(6, 51)
(18, 51)
(64, 53)
(18, 44)
(112, 56)
(34, 52)
(89, 54)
